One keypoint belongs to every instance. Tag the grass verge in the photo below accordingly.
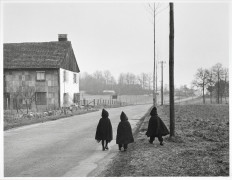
(200, 147)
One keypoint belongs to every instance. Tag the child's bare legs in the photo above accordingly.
(103, 147)
(106, 147)
(119, 147)
(124, 146)
(159, 138)
(151, 139)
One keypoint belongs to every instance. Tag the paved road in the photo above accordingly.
(65, 147)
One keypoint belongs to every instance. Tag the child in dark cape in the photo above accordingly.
(156, 127)
(124, 133)
(104, 131)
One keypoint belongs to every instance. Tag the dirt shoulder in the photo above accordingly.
(200, 148)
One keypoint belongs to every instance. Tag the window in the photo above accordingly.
(6, 100)
(76, 97)
(40, 75)
(41, 98)
(65, 76)
(74, 78)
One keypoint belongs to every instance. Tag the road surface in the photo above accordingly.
(62, 148)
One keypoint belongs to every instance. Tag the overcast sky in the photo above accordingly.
(119, 36)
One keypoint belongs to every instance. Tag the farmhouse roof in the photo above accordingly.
(57, 54)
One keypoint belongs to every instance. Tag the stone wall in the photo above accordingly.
(15, 80)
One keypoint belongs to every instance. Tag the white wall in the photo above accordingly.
(68, 86)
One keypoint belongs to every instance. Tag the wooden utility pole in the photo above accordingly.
(154, 91)
(218, 99)
(156, 81)
(162, 81)
(171, 72)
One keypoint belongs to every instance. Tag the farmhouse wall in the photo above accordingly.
(68, 87)
(16, 79)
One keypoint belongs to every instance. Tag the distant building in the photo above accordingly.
(50, 68)
(108, 92)
(112, 93)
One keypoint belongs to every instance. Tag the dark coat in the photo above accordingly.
(124, 131)
(104, 128)
(156, 126)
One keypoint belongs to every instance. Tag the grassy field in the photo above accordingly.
(200, 148)
(199, 100)
(130, 99)
(137, 99)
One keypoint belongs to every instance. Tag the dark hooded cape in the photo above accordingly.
(104, 128)
(156, 126)
(124, 131)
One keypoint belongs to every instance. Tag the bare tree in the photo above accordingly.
(128, 78)
(201, 80)
(132, 79)
(28, 95)
(112, 82)
(210, 83)
(127, 83)
(226, 90)
(139, 80)
(17, 96)
(218, 73)
(144, 80)
(107, 76)
(99, 83)
(121, 79)
(98, 75)
(149, 80)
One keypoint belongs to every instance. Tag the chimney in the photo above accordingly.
(62, 37)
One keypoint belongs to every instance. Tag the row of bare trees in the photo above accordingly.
(213, 80)
(127, 83)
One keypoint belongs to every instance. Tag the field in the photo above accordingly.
(136, 99)
(129, 99)
(200, 147)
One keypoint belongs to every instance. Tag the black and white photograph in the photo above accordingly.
(117, 88)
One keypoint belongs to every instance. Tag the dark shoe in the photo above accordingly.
(106, 148)
(103, 149)
(161, 143)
